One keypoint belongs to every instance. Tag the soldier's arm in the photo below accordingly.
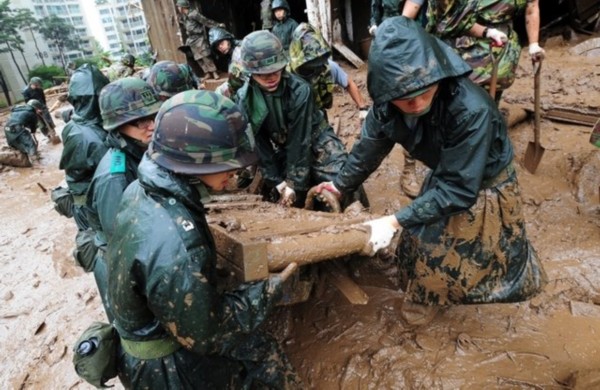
(205, 21)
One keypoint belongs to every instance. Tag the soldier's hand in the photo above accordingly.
(287, 195)
(373, 30)
(536, 52)
(362, 112)
(329, 186)
(382, 232)
(497, 36)
(222, 25)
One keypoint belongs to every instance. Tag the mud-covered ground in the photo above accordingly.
(550, 342)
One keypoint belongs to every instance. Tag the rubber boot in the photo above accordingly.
(409, 183)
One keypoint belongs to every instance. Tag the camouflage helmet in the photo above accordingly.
(262, 53)
(167, 78)
(307, 45)
(35, 104)
(201, 132)
(183, 3)
(35, 81)
(126, 100)
(281, 4)
(128, 60)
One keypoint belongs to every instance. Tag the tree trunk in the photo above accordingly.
(25, 61)
(12, 55)
(5, 89)
(36, 46)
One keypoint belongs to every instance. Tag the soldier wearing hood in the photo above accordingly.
(178, 328)
(463, 238)
(283, 24)
(222, 44)
(20, 128)
(128, 107)
(35, 90)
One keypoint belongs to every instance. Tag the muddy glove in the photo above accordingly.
(276, 281)
(382, 232)
(497, 36)
(328, 185)
(373, 30)
(287, 195)
(536, 52)
(362, 112)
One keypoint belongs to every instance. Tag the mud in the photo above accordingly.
(550, 342)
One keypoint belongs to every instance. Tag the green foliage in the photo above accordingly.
(47, 74)
(97, 60)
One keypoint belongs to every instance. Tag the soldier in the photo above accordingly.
(222, 44)
(463, 238)
(168, 78)
(177, 329)
(284, 25)
(35, 90)
(124, 68)
(310, 58)
(195, 27)
(83, 139)
(266, 15)
(128, 107)
(381, 10)
(482, 32)
(20, 129)
(296, 147)
(237, 75)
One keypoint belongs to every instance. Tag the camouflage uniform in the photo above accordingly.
(451, 20)
(308, 58)
(19, 127)
(463, 238)
(46, 125)
(237, 75)
(163, 257)
(284, 29)
(83, 137)
(168, 78)
(121, 102)
(123, 68)
(294, 141)
(195, 27)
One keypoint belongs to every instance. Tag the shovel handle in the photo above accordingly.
(537, 67)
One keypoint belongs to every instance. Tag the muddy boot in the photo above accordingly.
(410, 184)
(52, 137)
(415, 314)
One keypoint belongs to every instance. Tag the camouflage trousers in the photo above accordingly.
(201, 52)
(481, 255)
(476, 53)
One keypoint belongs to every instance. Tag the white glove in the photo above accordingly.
(373, 30)
(287, 195)
(536, 52)
(362, 112)
(497, 36)
(382, 232)
(328, 185)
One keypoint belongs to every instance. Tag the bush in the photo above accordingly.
(94, 60)
(47, 74)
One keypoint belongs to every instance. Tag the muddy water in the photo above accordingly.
(550, 342)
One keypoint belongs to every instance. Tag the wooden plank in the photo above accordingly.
(348, 54)
(336, 273)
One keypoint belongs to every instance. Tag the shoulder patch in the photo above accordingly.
(117, 162)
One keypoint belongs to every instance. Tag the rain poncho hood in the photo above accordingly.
(218, 34)
(404, 58)
(281, 4)
(84, 90)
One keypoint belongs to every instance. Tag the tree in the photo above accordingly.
(28, 22)
(9, 35)
(60, 33)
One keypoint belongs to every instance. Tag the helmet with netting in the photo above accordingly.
(126, 100)
(308, 47)
(183, 3)
(201, 132)
(128, 60)
(35, 104)
(167, 78)
(35, 81)
(262, 53)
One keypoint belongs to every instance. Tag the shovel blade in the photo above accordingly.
(533, 156)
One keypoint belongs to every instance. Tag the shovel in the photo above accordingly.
(535, 151)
